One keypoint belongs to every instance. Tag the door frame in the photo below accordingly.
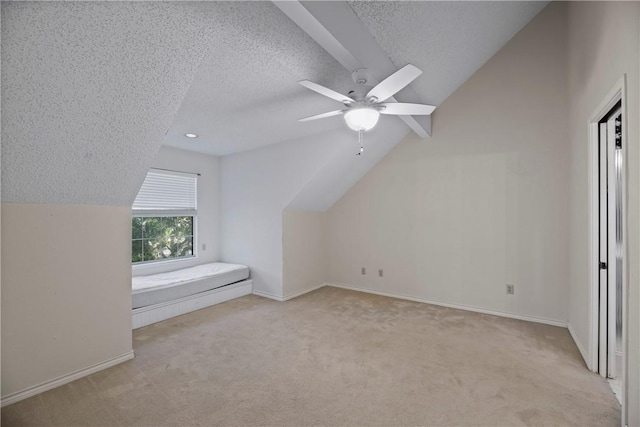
(615, 95)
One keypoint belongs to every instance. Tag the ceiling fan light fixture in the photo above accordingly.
(361, 119)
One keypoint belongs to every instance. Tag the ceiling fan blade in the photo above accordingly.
(326, 92)
(394, 83)
(402, 109)
(322, 116)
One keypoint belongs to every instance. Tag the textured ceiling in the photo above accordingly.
(448, 41)
(245, 94)
(88, 91)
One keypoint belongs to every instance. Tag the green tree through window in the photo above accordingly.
(157, 238)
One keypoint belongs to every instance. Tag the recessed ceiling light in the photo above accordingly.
(190, 135)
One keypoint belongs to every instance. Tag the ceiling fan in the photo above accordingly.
(365, 103)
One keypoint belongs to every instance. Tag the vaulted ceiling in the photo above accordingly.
(90, 90)
(245, 93)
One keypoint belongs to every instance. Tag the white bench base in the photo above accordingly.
(144, 316)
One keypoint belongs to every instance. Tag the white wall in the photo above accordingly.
(208, 227)
(306, 174)
(481, 204)
(256, 187)
(344, 169)
(603, 45)
(66, 290)
(303, 251)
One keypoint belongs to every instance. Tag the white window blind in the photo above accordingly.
(167, 193)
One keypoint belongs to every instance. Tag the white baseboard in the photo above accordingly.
(64, 379)
(288, 297)
(527, 318)
(144, 316)
(583, 353)
(267, 295)
(306, 291)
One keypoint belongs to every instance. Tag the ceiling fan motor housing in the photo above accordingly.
(364, 83)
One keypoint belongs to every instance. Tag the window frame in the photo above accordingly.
(169, 213)
(194, 254)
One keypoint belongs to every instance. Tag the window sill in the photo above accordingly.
(153, 267)
(164, 261)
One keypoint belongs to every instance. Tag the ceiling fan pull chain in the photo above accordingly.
(360, 140)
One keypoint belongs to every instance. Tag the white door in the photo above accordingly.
(610, 245)
(603, 249)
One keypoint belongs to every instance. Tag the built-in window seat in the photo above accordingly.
(161, 296)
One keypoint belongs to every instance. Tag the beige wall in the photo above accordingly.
(88, 140)
(603, 45)
(482, 203)
(303, 251)
(66, 290)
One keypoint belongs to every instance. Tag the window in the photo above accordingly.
(164, 217)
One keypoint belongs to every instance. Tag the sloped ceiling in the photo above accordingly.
(245, 94)
(447, 40)
(89, 90)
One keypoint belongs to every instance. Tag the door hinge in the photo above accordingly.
(603, 265)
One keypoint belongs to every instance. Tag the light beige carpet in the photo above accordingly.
(335, 357)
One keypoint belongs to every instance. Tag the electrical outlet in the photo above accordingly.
(509, 289)
(380, 273)
(363, 271)
(204, 246)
